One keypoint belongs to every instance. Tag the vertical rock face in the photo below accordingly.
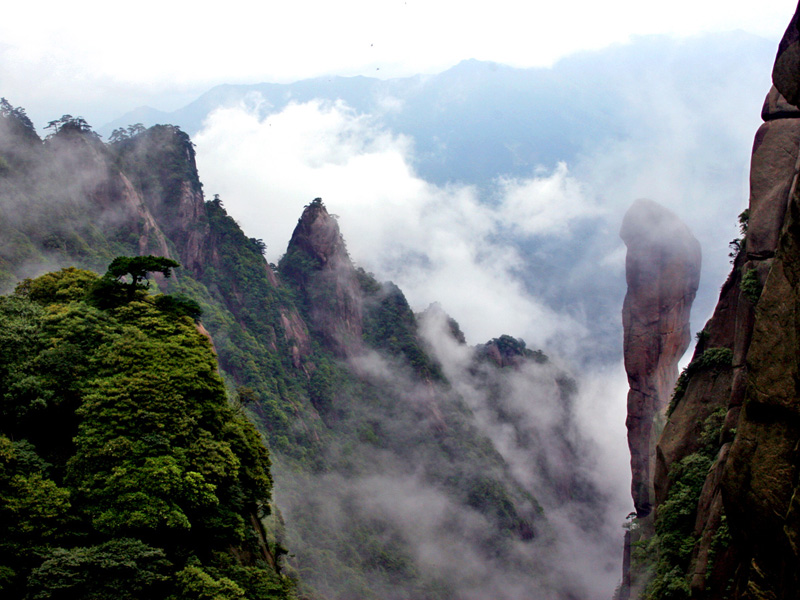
(662, 272)
(759, 485)
(171, 191)
(787, 63)
(318, 262)
(741, 415)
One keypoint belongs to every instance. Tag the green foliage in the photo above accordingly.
(709, 436)
(738, 244)
(735, 245)
(751, 286)
(719, 543)
(669, 585)
(138, 267)
(127, 275)
(126, 440)
(120, 569)
(179, 305)
(125, 133)
(66, 285)
(510, 347)
(246, 314)
(675, 539)
(20, 123)
(390, 325)
(195, 584)
(668, 554)
(33, 511)
(490, 496)
(713, 359)
(119, 414)
(297, 266)
(160, 160)
(744, 221)
(70, 124)
(321, 387)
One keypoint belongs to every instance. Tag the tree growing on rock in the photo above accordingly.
(127, 275)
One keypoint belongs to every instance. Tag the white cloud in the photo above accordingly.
(104, 58)
(437, 243)
(545, 205)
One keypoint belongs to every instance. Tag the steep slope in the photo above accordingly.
(726, 474)
(390, 483)
(317, 263)
(759, 480)
(77, 201)
(393, 423)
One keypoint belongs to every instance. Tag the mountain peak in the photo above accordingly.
(317, 233)
(317, 263)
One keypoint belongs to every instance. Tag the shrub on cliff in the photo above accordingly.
(711, 359)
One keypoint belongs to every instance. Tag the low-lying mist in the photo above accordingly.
(536, 514)
(538, 258)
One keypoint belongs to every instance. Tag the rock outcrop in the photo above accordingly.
(662, 272)
(759, 484)
(171, 191)
(787, 62)
(738, 406)
(318, 263)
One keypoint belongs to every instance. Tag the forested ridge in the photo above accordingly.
(131, 408)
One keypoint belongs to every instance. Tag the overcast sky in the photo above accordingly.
(101, 59)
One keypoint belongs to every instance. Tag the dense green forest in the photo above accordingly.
(125, 472)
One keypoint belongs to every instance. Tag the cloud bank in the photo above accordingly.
(460, 246)
(444, 244)
(537, 257)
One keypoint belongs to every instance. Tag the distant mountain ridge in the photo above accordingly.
(658, 111)
(478, 120)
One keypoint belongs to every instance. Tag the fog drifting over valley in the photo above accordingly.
(536, 256)
(443, 244)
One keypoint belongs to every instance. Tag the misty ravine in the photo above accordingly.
(406, 462)
(414, 388)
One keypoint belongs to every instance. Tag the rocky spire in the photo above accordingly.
(662, 272)
(318, 264)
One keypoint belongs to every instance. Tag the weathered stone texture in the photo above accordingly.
(777, 107)
(772, 170)
(333, 292)
(662, 272)
(753, 484)
(787, 62)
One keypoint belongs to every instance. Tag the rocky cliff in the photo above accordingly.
(759, 482)
(318, 264)
(727, 470)
(662, 272)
